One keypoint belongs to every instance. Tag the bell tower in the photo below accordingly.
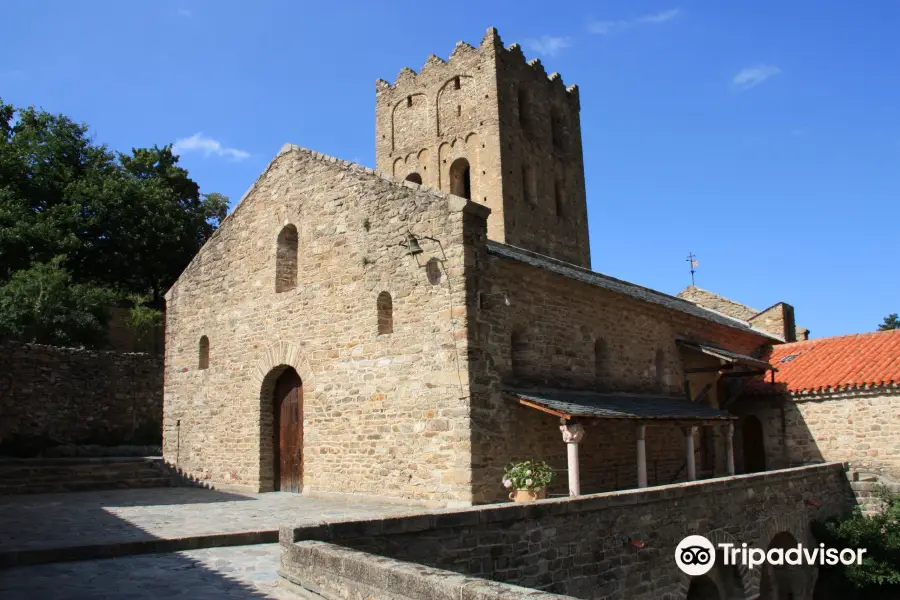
(492, 127)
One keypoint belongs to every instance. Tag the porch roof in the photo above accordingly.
(728, 355)
(568, 404)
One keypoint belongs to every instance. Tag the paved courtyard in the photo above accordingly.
(30, 522)
(237, 572)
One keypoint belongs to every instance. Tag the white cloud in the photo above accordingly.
(608, 27)
(208, 146)
(753, 76)
(548, 45)
(660, 17)
(183, 12)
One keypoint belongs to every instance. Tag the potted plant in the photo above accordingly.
(527, 480)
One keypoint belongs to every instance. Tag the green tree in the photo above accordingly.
(892, 321)
(125, 223)
(878, 577)
(42, 305)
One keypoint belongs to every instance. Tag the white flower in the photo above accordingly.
(528, 482)
(528, 472)
(507, 483)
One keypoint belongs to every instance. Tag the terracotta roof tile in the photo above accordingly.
(835, 363)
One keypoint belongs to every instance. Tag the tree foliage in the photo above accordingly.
(892, 321)
(878, 577)
(70, 208)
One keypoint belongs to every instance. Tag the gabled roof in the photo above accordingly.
(622, 287)
(832, 364)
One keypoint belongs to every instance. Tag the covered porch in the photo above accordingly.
(699, 426)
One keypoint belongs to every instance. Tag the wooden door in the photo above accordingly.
(288, 409)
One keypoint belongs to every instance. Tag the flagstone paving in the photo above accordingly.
(237, 572)
(40, 521)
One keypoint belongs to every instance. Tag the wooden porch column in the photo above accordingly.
(641, 456)
(689, 443)
(572, 434)
(729, 447)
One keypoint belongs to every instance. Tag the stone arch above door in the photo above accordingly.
(284, 353)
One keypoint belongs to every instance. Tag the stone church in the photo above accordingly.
(407, 332)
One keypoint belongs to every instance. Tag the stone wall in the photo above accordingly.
(614, 545)
(321, 570)
(51, 396)
(517, 129)
(571, 334)
(383, 413)
(859, 427)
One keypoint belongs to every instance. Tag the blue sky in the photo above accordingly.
(763, 136)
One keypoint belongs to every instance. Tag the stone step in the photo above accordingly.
(35, 476)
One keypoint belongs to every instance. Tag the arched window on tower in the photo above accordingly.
(385, 306)
(461, 178)
(415, 178)
(203, 353)
(286, 259)
(558, 198)
(524, 109)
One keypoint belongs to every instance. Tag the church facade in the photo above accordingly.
(407, 332)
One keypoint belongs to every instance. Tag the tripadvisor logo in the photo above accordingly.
(695, 555)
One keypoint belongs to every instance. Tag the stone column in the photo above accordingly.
(729, 447)
(572, 434)
(641, 456)
(689, 443)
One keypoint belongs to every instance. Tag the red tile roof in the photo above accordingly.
(835, 363)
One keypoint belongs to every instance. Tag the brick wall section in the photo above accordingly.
(858, 427)
(581, 547)
(502, 114)
(71, 396)
(560, 320)
(382, 414)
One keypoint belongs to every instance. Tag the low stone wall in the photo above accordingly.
(333, 572)
(51, 396)
(611, 545)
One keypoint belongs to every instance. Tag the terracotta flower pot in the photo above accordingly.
(528, 495)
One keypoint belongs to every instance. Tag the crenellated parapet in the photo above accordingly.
(462, 56)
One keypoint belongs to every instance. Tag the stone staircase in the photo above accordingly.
(865, 487)
(47, 475)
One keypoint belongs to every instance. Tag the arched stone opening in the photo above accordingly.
(281, 430)
(203, 353)
(385, 307)
(461, 178)
(415, 178)
(785, 582)
(286, 259)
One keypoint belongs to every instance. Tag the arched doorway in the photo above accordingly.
(753, 445)
(287, 410)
